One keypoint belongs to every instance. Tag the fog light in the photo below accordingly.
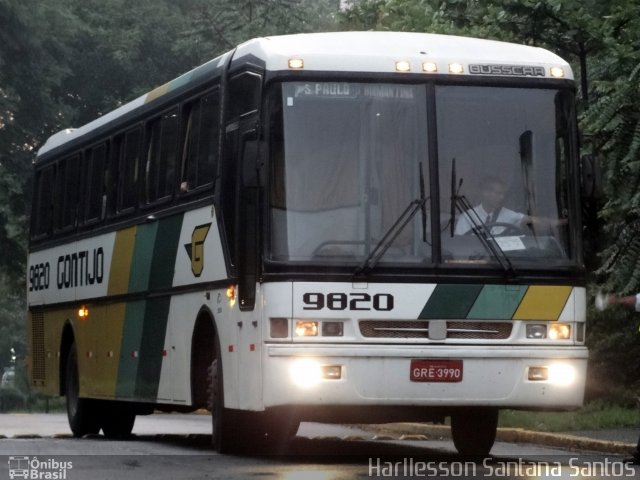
(538, 374)
(536, 331)
(279, 327)
(332, 329)
(561, 374)
(559, 331)
(306, 328)
(331, 372)
(305, 373)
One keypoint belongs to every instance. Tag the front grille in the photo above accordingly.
(394, 329)
(468, 330)
(479, 330)
(37, 347)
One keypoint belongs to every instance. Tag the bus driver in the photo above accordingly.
(490, 211)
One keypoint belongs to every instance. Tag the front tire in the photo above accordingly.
(474, 430)
(225, 437)
(81, 412)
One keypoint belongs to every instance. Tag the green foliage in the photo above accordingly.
(613, 121)
(65, 62)
(595, 415)
(613, 338)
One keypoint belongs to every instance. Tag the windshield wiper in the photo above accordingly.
(419, 204)
(478, 227)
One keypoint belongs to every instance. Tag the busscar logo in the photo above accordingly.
(195, 249)
(507, 70)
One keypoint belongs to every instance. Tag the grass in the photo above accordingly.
(593, 416)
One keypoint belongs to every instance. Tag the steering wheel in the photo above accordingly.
(508, 229)
(325, 244)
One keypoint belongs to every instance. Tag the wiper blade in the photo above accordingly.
(482, 232)
(423, 206)
(387, 240)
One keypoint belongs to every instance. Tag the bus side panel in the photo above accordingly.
(125, 348)
(45, 331)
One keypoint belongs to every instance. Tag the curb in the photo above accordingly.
(512, 435)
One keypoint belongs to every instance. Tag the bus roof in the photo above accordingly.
(401, 52)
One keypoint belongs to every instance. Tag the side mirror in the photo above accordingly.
(590, 177)
(252, 149)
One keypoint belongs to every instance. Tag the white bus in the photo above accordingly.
(277, 236)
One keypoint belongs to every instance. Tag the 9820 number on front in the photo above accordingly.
(382, 302)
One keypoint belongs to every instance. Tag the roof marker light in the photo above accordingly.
(557, 72)
(456, 68)
(296, 63)
(403, 66)
(429, 67)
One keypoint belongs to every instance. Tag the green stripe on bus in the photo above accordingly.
(142, 257)
(130, 349)
(498, 302)
(151, 348)
(450, 301)
(164, 252)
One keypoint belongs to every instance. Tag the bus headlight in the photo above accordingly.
(559, 331)
(306, 328)
(536, 330)
(554, 331)
(279, 327)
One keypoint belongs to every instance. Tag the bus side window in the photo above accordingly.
(128, 166)
(161, 154)
(200, 153)
(42, 212)
(94, 182)
(67, 184)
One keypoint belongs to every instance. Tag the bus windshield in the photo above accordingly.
(348, 159)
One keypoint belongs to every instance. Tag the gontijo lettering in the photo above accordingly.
(79, 269)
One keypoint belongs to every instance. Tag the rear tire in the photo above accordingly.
(81, 412)
(117, 420)
(474, 430)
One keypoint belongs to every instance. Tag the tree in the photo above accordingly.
(614, 123)
(216, 26)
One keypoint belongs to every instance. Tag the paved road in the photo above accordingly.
(168, 447)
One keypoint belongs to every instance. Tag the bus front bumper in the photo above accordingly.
(496, 376)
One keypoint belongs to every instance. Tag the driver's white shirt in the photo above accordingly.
(464, 224)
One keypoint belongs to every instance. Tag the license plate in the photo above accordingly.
(436, 370)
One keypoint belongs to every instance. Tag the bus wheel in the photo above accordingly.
(474, 430)
(118, 420)
(224, 436)
(81, 412)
